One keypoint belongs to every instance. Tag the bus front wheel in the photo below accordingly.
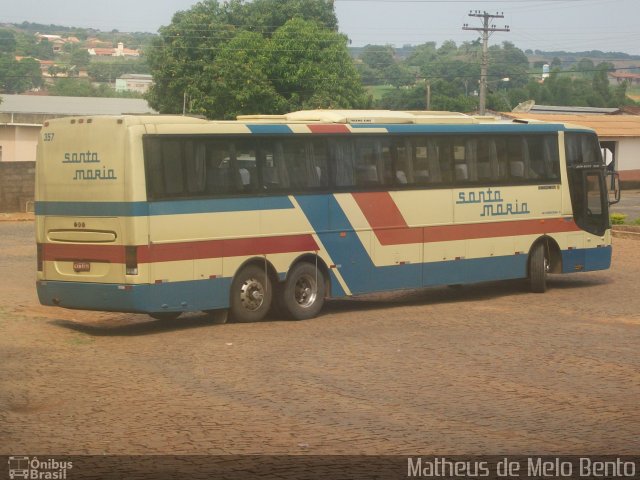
(303, 294)
(538, 269)
(251, 294)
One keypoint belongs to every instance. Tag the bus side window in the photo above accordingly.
(172, 163)
(515, 156)
(154, 169)
(306, 163)
(244, 162)
(272, 161)
(343, 162)
(218, 173)
(402, 156)
(195, 156)
(369, 162)
(464, 160)
(551, 160)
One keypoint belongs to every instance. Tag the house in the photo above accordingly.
(617, 78)
(132, 82)
(119, 51)
(620, 134)
(21, 118)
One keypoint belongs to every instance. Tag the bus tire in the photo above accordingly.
(538, 268)
(251, 294)
(302, 296)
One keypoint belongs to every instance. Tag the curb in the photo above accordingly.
(17, 217)
(625, 231)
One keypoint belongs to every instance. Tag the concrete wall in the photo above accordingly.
(17, 186)
(19, 142)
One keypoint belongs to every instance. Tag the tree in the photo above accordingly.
(238, 82)
(19, 76)
(207, 55)
(7, 42)
(311, 67)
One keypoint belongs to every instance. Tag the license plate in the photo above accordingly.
(81, 266)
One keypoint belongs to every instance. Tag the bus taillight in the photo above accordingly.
(131, 260)
(40, 259)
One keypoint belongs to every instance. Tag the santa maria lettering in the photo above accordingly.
(493, 205)
(82, 158)
(96, 174)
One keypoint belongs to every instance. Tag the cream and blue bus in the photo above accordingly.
(167, 214)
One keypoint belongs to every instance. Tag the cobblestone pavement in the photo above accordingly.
(480, 369)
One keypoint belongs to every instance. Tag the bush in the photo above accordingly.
(617, 218)
(636, 221)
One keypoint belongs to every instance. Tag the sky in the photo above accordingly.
(549, 25)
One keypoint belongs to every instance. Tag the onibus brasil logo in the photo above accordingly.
(33, 468)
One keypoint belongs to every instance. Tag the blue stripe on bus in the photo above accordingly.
(218, 205)
(270, 129)
(466, 128)
(189, 296)
(174, 207)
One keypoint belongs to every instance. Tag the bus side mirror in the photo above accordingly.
(613, 187)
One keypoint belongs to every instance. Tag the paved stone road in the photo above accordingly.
(481, 369)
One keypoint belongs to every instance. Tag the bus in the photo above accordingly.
(170, 214)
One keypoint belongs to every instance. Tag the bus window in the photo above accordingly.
(369, 167)
(464, 159)
(218, 172)
(306, 161)
(172, 167)
(342, 156)
(516, 158)
(402, 155)
(275, 175)
(245, 165)
(421, 161)
(195, 165)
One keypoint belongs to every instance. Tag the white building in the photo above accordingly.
(133, 82)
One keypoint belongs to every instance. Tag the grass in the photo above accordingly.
(378, 91)
(621, 219)
(633, 92)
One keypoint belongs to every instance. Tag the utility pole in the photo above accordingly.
(486, 29)
(427, 84)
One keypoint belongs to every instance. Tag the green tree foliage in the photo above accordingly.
(266, 56)
(7, 42)
(311, 67)
(238, 81)
(454, 73)
(19, 76)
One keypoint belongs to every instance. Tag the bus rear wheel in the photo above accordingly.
(251, 294)
(302, 296)
(538, 269)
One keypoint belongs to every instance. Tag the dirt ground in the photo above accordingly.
(477, 370)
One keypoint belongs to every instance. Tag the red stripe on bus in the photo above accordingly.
(183, 250)
(390, 227)
(226, 248)
(93, 253)
(329, 129)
